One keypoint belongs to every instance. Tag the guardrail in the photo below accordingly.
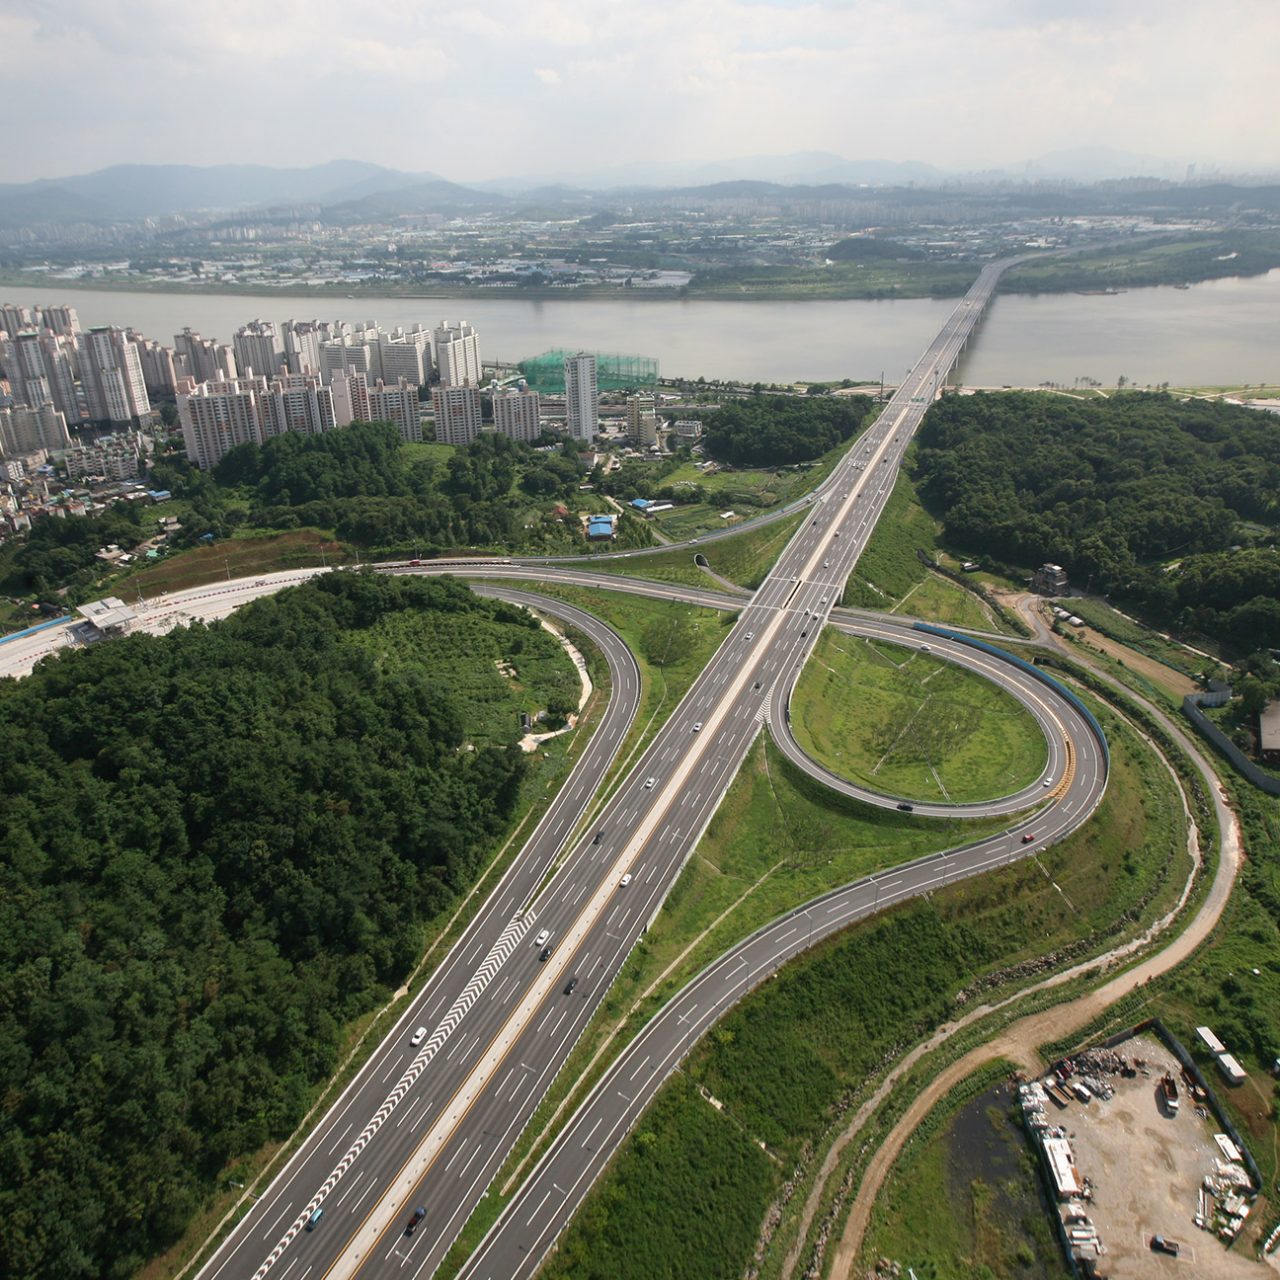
(40, 626)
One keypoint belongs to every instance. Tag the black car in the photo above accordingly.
(599, 836)
(905, 807)
(569, 986)
(545, 954)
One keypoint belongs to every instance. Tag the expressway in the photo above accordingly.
(597, 905)
(429, 1125)
(548, 1197)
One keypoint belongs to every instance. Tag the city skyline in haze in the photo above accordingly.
(499, 90)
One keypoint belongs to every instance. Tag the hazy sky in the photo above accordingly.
(497, 88)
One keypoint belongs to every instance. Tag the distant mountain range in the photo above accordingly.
(129, 192)
(355, 191)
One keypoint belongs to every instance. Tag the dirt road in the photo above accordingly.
(1018, 1042)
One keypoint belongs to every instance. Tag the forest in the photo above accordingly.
(218, 847)
(1168, 506)
(778, 430)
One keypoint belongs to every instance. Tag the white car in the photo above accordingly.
(626, 880)
(418, 1037)
(697, 728)
(649, 783)
(542, 937)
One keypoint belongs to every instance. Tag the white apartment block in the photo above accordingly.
(457, 413)
(60, 320)
(348, 354)
(397, 404)
(457, 354)
(111, 376)
(350, 399)
(158, 374)
(581, 396)
(517, 413)
(218, 416)
(259, 348)
(24, 430)
(41, 367)
(203, 359)
(13, 318)
(688, 430)
(302, 342)
(406, 353)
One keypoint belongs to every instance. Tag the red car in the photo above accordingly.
(418, 1215)
(1028, 838)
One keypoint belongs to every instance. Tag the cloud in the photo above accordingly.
(959, 83)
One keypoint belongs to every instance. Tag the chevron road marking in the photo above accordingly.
(497, 957)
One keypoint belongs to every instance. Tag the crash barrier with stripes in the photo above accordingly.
(1056, 685)
(40, 626)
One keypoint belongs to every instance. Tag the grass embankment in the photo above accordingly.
(744, 558)
(908, 724)
(965, 1198)
(793, 1058)
(1115, 625)
(239, 556)
(889, 574)
(1178, 260)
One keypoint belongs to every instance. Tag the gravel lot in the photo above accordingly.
(1146, 1167)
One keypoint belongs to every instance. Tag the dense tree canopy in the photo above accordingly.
(776, 430)
(1139, 496)
(216, 848)
(359, 483)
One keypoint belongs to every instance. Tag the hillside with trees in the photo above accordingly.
(371, 491)
(770, 431)
(217, 848)
(1169, 506)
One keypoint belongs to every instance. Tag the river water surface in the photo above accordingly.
(1220, 332)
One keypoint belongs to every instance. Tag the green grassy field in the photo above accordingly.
(745, 558)
(889, 567)
(940, 600)
(908, 724)
(427, 450)
(805, 1047)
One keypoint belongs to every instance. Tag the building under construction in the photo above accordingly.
(545, 373)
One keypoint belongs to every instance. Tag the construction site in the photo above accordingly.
(614, 372)
(1148, 1175)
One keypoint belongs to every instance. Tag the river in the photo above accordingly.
(1223, 332)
